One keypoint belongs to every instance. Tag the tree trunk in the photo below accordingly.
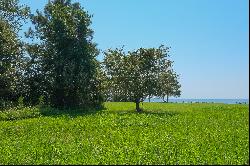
(137, 102)
(167, 98)
(149, 99)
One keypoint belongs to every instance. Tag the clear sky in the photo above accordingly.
(208, 38)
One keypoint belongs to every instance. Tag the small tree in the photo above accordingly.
(134, 76)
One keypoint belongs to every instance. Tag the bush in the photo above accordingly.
(20, 102)
(5, 104)
(41, 102)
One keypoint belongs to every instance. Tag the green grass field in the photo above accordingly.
(162, 134)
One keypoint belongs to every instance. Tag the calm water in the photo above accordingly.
(226, 101)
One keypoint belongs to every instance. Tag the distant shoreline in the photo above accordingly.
(225, 101)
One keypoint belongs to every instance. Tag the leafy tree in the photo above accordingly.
(34, 82)
(12, 16)
(66, 55)
(134, 76)
(168, 85)
(13, 13)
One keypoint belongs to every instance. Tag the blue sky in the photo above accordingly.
(208, 38)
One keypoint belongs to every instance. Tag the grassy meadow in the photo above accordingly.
(162, 134)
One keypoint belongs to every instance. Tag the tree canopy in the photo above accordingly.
(59, 65)
(135, 75)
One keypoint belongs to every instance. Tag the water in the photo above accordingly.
(225, 101)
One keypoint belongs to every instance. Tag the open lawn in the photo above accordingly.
(162, 134)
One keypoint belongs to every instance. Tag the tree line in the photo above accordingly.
(57, 64)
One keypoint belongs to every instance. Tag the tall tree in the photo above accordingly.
(67, 54)
(12, 16)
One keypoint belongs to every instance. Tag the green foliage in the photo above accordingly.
(41, 101)
(14, 13)
(17, 113)
(175, 134)
(5, 104)
(138, 74)
(20, 102)
(64, 59)
(168, 84)
(8, 56)
(11, 49)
